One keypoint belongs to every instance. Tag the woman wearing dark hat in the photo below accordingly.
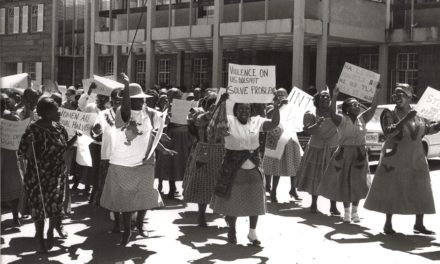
(402, 184)
(42, 147)
(240, 190)
(345, 178)
(321, 146)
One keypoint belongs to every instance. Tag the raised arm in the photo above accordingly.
(126, 103)
(369, 113)
(336, 119)
(272, 124)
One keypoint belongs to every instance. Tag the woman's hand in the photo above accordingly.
(224, 97)
(124, 78)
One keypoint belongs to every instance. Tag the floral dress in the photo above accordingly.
(50, 145)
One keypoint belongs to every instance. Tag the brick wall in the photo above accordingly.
(30, 46)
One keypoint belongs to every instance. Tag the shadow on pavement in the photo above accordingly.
(193, 235)
(190, 218)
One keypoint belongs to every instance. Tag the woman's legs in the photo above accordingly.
(346, 212)
(268, 180)
(126, 218)
(39, 230)
(140, 223)
(252, 236)
(15, 217)
(201, 218)
(273, 192)
(116, 223)
(419, 227)
(172, 190)
(333, 209)
(388, 227)
(292, 191)
(314, 205)
(354, 212)
(53, 221)
(231, 220)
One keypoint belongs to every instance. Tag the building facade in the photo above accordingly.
(189, 43)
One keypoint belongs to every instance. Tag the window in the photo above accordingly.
(140, 71)
(37, 18)
(225, 71)
(369, 62)
(11, 21)
(407, 68)
(2, 20)
(164, 71)
(24, 19)
(108, 67)
(200, 71)
(29, 67)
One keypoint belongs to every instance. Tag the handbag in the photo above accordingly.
(202, 152)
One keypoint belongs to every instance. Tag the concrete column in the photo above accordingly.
(383, 71)
(298, 43)
(94, 21)
(117, 61)
(86, 39)
(179, 68)
(321, 47)
(217, 45)
(53, 64)
(150, 57)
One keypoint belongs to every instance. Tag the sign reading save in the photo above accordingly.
(251, 83)
(358, 82)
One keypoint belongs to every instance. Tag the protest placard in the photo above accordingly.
(74, 120)
(292, 114)
(251, 83)
(358, 82)
(11, 132)
(180, 110)
(17, 81)
(429, 105)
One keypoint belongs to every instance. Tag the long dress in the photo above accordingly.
(50, 145)
(345, 178)
(204, 167)
(402, 184)
(321, 146)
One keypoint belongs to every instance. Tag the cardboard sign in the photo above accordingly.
(74, 120)
(292, 114)
(429, 105)
(358, 82)
(251, 83)
(19, 81)
(105, 85)
(11, 132)
(180, 110)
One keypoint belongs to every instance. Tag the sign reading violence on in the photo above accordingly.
(11, 132)
(292, 114)
(429, 105)
(74, 120)
(251, 83)
(358, 82)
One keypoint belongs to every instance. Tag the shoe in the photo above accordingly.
(41, 246)
(346, 219)
(50, 241)
(355, 217)
(202, 221)
(141, 231)
(335, 212)
(125, 238)
(388, 230)
(61, 232)
(171, 195)
(254, 241)
(423, 230)
(16, 223)
(313, 210)
(273, 198)
(232, 239)
(294, 194)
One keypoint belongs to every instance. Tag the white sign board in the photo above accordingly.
(104, 85)
(358, 82)
(251, 83)
(11, 132)
(180, 110)
(74, 120)
(292, 114)
(429, 105)
(15, 81)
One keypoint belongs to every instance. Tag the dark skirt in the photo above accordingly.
(11, 180)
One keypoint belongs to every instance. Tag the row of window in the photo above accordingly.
(34, 69)
(24, 19)
(406, 69)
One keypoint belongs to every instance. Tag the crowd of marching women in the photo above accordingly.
(227, 159)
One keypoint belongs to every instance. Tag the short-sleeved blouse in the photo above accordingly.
(324, 135)
(352, 133)
(244, 137)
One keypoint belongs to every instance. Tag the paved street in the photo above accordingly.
(289, 234)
